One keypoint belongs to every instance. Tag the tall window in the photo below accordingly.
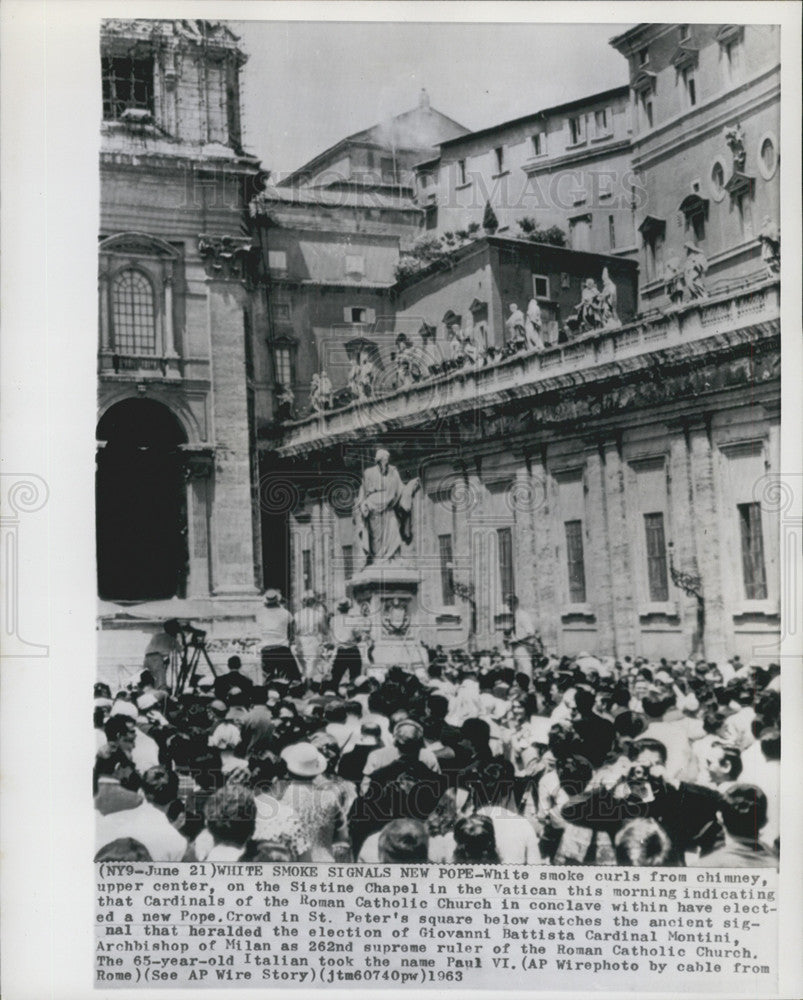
(733, 59)
(575, 564)
(127, 83)
(504, 552)
(539, 143)
(656, 557)
(601, 121)
(447, 571)
(283, 366)
(499, 155)
(646, 104)
(753, 570)
(690, 86)
(462, 176)
(348, 561)
(611, 231)
(388, 167)
(576, 131)
(133, 316)
(306, 569)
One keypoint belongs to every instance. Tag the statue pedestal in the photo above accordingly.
(388, 599)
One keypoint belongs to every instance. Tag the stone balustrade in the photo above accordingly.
(471, 387)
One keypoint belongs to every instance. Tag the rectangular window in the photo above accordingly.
(690, 86)
(643, 56)
(447, 570)
(601, 121)
(611, 232)
(733, 59)
(462, 176)
(576, 130)
(744, 207)
(656, 557)
(499, 154)
(388, 168)
(348, 561)
(127, 83)
(277, 260)
(504, 552)
(539, 143)
(281, 312)
(283, 367)
(540, 286)
(574, 560)
(306, 569)
(647, 105)
(755, 576)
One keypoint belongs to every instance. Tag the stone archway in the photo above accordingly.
(141, 518)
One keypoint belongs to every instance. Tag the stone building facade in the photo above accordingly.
(381, 157)
(705, 102)
(177, 516)
(565, 166)
(621, 483)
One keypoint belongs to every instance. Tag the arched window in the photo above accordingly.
(133, 317)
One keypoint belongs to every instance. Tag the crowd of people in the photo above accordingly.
(507, 755)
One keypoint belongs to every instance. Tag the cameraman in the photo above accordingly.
(639, 788)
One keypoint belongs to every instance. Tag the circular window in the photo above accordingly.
(717, 181)
(767, 156)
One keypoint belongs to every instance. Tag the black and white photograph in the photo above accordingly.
(438, 494)
(445, 539)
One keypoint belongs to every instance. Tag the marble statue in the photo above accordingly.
(320, 395)
(694, 272)
(383, 511)
(533, 327)
(770, 239)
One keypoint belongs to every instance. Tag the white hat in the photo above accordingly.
(225, 737)
(147, 700)
(123, 707)
(303, 760)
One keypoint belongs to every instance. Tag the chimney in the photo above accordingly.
(423, 100)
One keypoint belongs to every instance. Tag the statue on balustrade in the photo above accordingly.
(673, 281)
(534, 327)
(405, 363)
(695, 269)
(383, 511)
(457, 352)
(770, 239)
(285, 401)
(607, 299)
(320, 395)
(516, 327)
(361, 376)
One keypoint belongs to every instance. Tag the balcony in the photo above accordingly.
(140, 366)
(681, 329)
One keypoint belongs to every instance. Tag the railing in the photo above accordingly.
(469, 386)
(145, 365)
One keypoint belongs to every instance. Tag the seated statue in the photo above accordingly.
(694, 272)
(515, 325)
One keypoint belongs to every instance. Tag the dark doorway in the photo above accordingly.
(141, 519)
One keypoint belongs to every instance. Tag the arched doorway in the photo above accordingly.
(141, 519)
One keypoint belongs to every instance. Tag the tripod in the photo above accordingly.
(192, 649)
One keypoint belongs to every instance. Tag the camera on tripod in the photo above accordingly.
(192, 647)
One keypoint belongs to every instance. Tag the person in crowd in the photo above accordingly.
(403, 841)
(148, 822)
(523, 638)
(491, 786)
(310, 630)
(317, 806)
(235, 679)
(123, 849)
(276, 626)
(226, 738)
(642, 843)
(115, 781)
(230, 819)
(744, 814)
(346, 639)
(475, 841)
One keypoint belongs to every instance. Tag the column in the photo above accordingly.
(523, 498)
(680, 530)
(546, 586)
(199, 471)
(617, 537)
(232, 537)
(707, 541)
(169, 347)
(105, 344)
(599, 582)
